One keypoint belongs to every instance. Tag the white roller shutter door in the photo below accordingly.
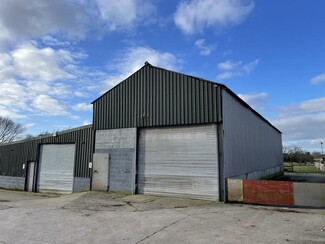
(179, 161)
(56, 168)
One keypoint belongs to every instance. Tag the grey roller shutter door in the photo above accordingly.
(179, 161)
(56, 168)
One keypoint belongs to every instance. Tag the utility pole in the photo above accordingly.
(321, 146)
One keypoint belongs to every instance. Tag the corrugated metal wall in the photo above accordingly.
(154, 97)
(250, 143)
(14, 155)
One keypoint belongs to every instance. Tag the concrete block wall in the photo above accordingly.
(81, 184)
(309, 194)
(121, 145)
(235, 190)
(13, 183)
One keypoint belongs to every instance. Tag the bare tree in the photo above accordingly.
(9, 130)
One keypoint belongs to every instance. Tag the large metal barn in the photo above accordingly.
(159, 132)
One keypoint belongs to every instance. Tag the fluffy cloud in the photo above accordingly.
(41, 63)
(317, 79)
(314, 105)
(36, 18)
(196, 15)
(48, 105)
(49, 40)
(36, 80)
(83, 107)
(234, 69)
(204, 49)
(124, 13)
(255, 100)
(12, 98)
(72, 19)
(228, 65)
(134, 58)
(302, 124)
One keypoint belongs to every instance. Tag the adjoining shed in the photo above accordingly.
(53, 163)
(157, 132)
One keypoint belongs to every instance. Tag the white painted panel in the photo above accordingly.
(179, 160)
(56, 168)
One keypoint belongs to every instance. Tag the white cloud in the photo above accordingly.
(49, 105)
(49, 40)
(314, 105)
(235, 69)
(196, 15)
(19, 21)
(302, 124)
(80, 94)
(301, 127)
(83, 107)
(10, 113)
(228, 65)
(28, 125)
(29, 71)
(124, 13)
(72, 20)
(42, 64)
(204, 49)
(86, 122)
(309, 106)
(317, 79)
(256, 100)
(134, 58)
(13, 98)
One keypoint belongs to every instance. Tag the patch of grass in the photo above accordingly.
(306, 169)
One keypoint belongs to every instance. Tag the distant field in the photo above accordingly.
(300, 168)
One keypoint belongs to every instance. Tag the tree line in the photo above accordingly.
(297, 155)
(11, 130)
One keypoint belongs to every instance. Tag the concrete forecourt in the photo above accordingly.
(96, 217)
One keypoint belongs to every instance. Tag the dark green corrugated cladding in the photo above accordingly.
(153, 96)
(14, 155)
(156, 97)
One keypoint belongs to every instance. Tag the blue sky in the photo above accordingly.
(58, 56)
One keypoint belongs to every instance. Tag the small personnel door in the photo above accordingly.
(100, 176)
(30, 176)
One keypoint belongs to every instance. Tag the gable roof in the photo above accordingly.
(187, 78)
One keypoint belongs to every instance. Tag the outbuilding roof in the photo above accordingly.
(141, 77)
